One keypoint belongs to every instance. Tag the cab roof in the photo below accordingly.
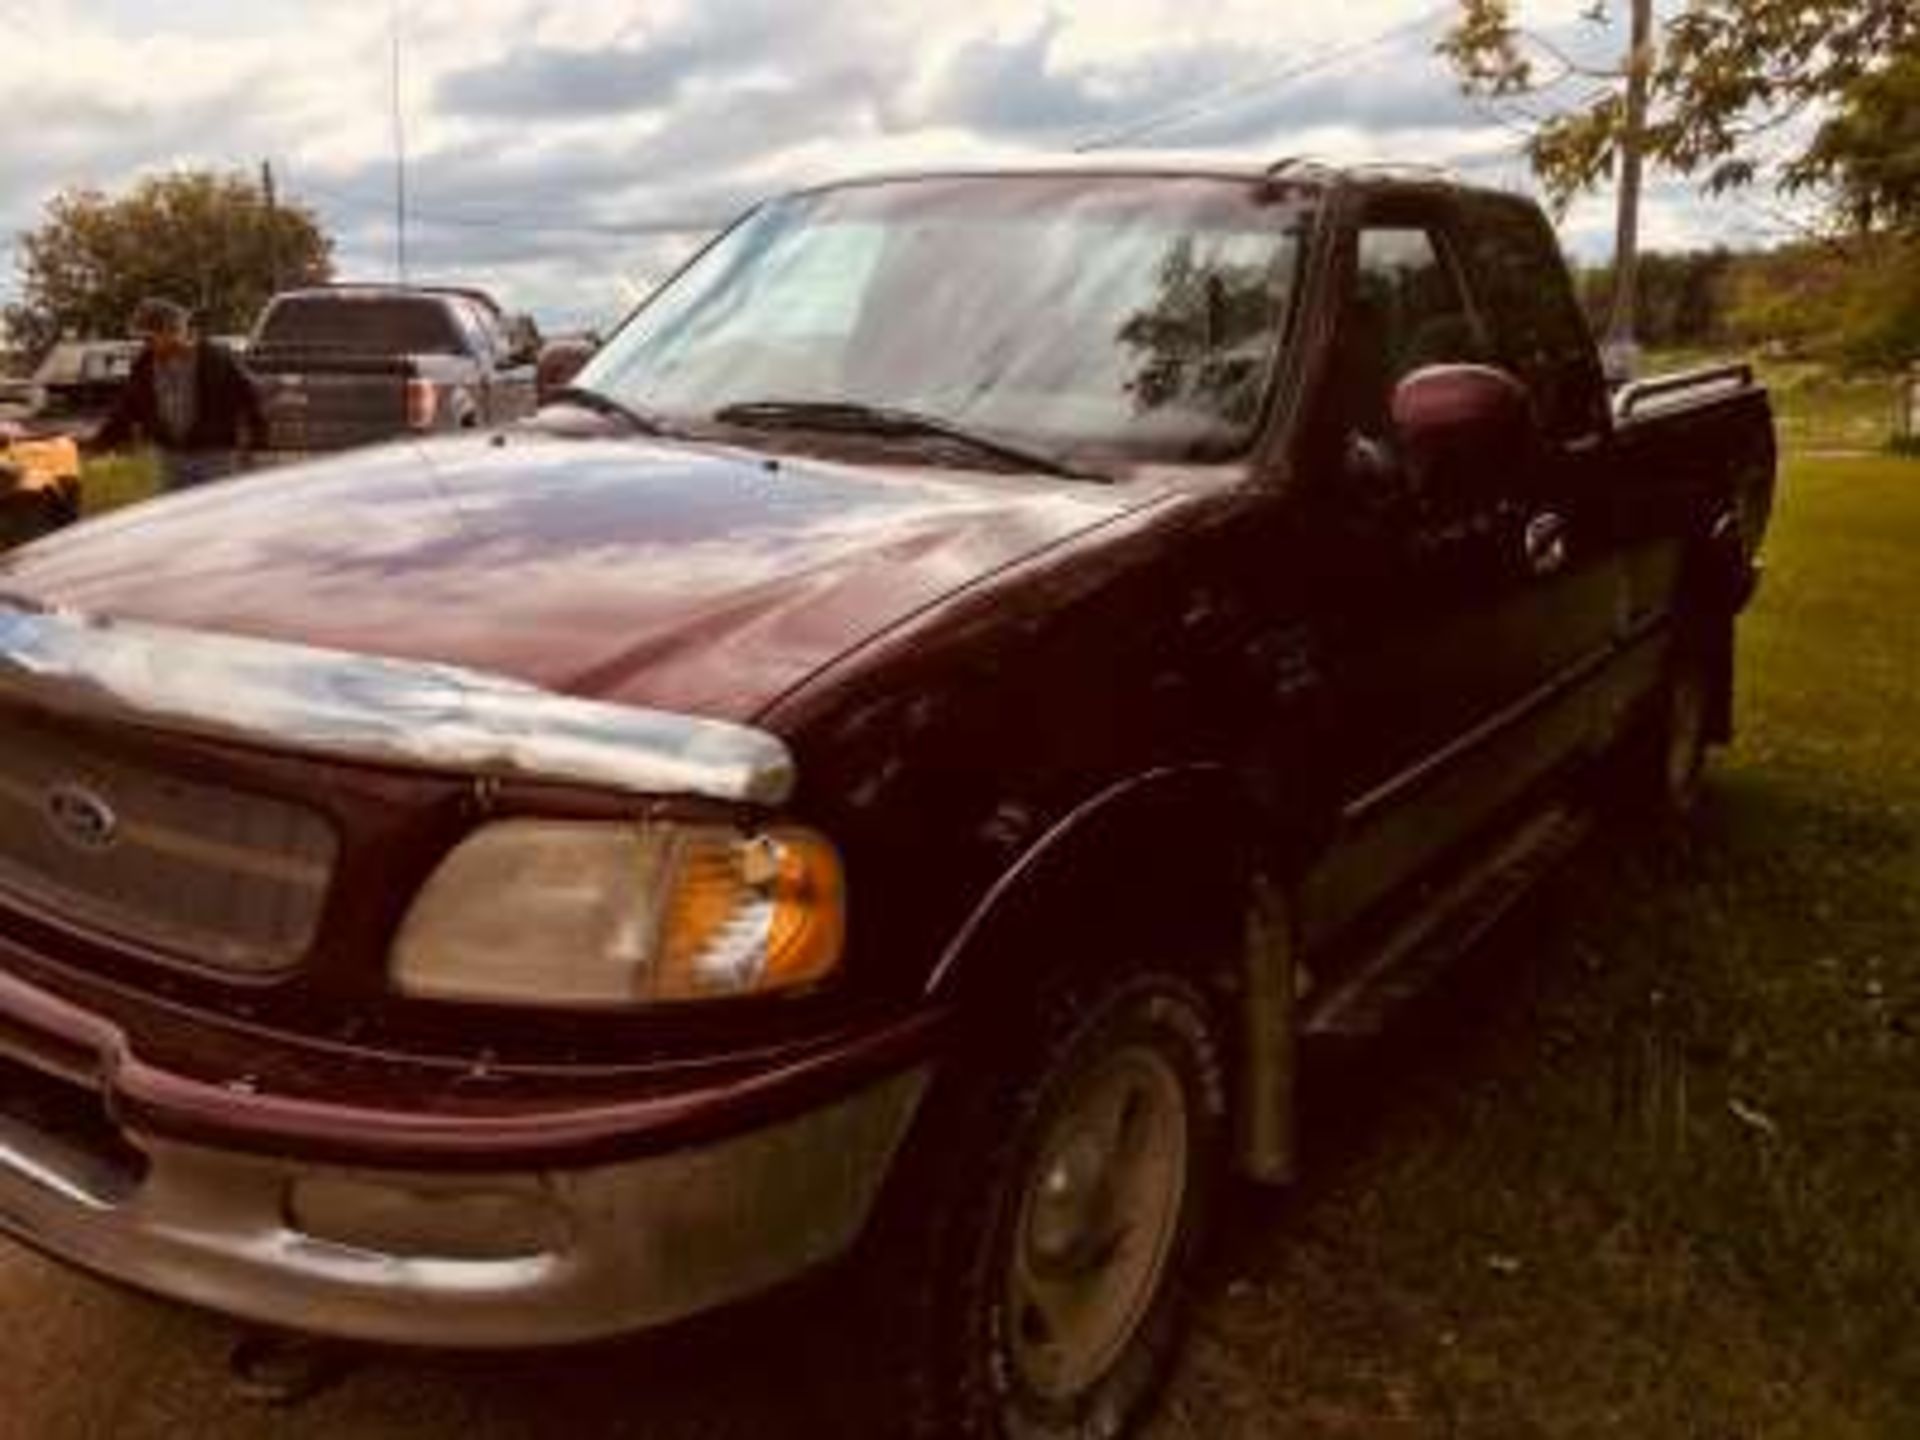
(1305, 171)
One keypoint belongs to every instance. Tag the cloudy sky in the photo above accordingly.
(568, 152)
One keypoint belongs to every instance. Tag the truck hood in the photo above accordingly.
(706, 580)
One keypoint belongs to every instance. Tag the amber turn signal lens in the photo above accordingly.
(566, 913)
(761, 912)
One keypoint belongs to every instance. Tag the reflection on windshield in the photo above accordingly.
(1138, 316)
(1205, 339)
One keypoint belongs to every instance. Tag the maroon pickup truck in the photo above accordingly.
(890, 763)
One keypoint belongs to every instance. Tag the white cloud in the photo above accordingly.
(568, 152)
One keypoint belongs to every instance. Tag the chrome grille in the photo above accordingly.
(222, 878)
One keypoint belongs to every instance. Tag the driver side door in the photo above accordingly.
(1422, 585)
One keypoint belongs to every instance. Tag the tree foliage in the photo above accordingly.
(201, 238)
(1855, 302)
(1683, 297)
(1725, 80)
(1868, 154)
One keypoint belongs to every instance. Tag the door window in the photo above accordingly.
(1406, 310)
(477, 327)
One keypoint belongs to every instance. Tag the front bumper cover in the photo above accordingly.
(466, 1259)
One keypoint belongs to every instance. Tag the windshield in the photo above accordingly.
(1133, 315)
(357, 326)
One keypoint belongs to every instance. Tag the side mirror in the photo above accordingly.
(523, 340)
(1456, 422)
(560, 361)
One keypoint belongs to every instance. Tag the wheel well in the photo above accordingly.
(1163, 859)
(1175, 868)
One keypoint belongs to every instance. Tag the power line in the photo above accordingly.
(506, 220)
(609, 228)
(1231, 94)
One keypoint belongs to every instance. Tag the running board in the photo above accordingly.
(1413, 956)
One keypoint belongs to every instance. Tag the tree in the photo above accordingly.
(1868, 154)
(209, 240)
(1857, 302)
(1726, 80)
(1683, 297)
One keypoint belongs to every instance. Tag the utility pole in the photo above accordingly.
(270, 199)
(1621, 349)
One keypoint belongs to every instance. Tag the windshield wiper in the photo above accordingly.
(603, 404)
(855, 418)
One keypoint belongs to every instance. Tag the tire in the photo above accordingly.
(1664, 759)
(1037, 1286)
(62, 506)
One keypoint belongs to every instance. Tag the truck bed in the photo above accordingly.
(1714, 425)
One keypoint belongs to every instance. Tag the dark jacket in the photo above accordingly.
(227, 415)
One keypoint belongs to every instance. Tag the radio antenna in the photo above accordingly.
(399, 148)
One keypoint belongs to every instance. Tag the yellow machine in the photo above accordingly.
(39, 483)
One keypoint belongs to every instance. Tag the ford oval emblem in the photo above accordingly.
(81, 818)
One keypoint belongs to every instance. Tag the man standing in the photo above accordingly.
(186, 397)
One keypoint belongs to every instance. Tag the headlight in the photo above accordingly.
(598, 914)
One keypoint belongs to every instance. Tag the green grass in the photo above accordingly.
(1653, 1168)
(1816, 407)
(109, 482)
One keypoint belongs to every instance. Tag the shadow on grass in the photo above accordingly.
(1638, 1158)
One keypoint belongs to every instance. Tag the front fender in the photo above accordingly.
(1180, 865)
(1161, 858)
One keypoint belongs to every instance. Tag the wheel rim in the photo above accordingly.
(1686, 734)
(1098, 1218)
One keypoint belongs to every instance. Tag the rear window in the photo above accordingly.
(387, 326)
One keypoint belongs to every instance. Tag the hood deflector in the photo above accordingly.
(352, 707)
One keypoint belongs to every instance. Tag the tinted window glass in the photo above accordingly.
(361, 326)
(1405, 310)
(483, 339)
(1539, 331)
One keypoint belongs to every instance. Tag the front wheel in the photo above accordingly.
(1045, 1274)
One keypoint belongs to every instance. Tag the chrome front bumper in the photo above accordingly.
(457, 1259)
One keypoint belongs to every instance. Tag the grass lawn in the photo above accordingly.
(116, 480)
(1816, 407)
(1653, 1169)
